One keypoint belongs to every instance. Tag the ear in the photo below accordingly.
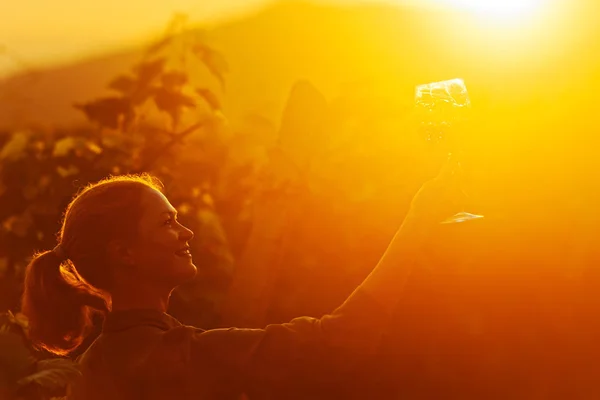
(120, 253)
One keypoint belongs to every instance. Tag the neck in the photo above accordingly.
(140, 296)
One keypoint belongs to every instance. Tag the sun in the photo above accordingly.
(497, 9)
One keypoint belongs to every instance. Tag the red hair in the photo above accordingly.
(63, 290)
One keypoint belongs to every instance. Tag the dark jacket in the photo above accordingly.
(145, 354)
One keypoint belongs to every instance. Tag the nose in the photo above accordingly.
(186, 234)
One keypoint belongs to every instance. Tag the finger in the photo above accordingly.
(449, 169)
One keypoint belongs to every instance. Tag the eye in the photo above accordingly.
(171, 220)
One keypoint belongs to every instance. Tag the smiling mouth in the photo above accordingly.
(184, 252)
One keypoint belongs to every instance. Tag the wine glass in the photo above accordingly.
(441, 108)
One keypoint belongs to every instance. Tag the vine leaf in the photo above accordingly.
(108, 112)
(213, 60)
(52, 374)
(159, 45)
(15, 358)
(211, 98)
(174, 79)
(15, 148)
(172, 102)
(124, 84)
(147, 71)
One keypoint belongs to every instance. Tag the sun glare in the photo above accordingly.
(498, 9)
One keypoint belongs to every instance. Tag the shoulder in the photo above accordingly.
(123, 351)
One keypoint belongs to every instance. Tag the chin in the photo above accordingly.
(188, 273)
(193, 271)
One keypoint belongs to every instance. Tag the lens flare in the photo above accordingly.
(497, 9)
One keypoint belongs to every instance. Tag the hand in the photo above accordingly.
(438, 199)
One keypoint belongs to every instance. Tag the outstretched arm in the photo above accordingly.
(309, 351)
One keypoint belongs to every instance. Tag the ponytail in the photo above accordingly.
(58, 303)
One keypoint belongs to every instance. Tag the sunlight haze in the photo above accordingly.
(36, 33)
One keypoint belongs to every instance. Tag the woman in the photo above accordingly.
(122, 251)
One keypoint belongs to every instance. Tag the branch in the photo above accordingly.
(178, 138)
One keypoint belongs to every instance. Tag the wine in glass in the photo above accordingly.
(442, 107)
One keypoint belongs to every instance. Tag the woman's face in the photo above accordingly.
(161, 251)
